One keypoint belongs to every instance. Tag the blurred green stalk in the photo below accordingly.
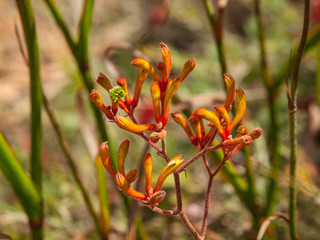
(292, 106)
(273, 131)
(27, 19)
(21, 183)
(216, 24)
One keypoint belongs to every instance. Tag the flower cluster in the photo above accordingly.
(153, 196)
(162, 91)
(220, 122)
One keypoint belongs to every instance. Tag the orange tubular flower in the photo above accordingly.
(230, 86)
(166, 57)
(104, 82)
(240, 107)
(145, 65)
(148, 165)
(96, 99)
(126, 124)
(105, 158)
(156, 100)
(178, 118)
(197, 124)
(122, 154)
(187, 68)
(141, 76)
(172, 165)
(213, 118)
(125, 187)
(171, 90)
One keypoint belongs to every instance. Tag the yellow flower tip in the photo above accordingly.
(156, 198)
(255, 133)
(96, 98)
(171, 90)
(104, 82)
(105, 158)
(241, 131)
(230, 86)
(122, 154)
(126, 124)
(171, 166)
(132, 175)
(240, 107)
(187, 68)
(148, 67)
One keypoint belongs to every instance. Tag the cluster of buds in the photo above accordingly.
(162, 91)
(153, 196)
(220, 122)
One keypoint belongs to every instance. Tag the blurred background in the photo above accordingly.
(122, 31)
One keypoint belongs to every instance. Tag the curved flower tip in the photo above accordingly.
(126, 124)
(132, 175)
(105, 158)
(171, 166)
(211, 117)
(122, 154)
(187, 68)
(224, 114)
(166, 56)
(104, 81)
(255, 133)
(96, 98)
(125, 187)
(230, 86)
(144, 64)
(178, 118)
(197, 124)
(240, 107)
(156, 198)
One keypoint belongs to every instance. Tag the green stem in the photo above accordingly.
(27, 19)
(60, 22)
(262, 45)
(292, 105)
(274, 150)
(251, 188)
(216, 25)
